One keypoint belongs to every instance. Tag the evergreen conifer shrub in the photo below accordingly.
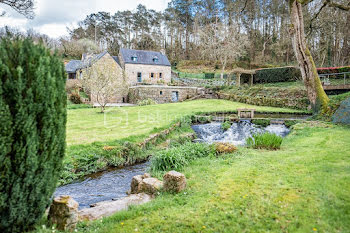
(32, 131)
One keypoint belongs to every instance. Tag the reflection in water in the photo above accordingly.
(237, 134)
(102, 186)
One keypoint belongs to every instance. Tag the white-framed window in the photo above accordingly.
(139, 77)
(160, 75)
(152, 75)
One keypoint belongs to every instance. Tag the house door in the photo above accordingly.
(175, 96)
(139, 77)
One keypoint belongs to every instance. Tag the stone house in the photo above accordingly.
(146, 74)
(145, 67)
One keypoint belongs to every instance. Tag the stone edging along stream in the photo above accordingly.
(153, 138)
(64, 209)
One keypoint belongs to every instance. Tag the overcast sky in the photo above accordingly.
(53, 16)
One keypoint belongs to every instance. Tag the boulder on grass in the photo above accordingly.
(174, 182)
(150, 186)
(64, 213)
(136, 180)
(342, 115)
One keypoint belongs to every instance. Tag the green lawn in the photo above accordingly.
(304, 187)
(88, 125)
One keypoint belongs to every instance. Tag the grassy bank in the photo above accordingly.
(301, 188)
(288, 94)
(82, 160)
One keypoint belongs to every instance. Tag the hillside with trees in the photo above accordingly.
(265, 23)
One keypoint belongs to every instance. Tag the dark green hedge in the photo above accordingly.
(274, 75)
(32, 131)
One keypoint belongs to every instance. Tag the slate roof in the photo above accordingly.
(73, 65)
(144, 57)
(90, 60)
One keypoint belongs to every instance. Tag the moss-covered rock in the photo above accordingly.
(342, 115)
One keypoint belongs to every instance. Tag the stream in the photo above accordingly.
(102, 186)
(236, 134)
(114, 183)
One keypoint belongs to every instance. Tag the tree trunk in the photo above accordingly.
(318, 98)
(223, 63)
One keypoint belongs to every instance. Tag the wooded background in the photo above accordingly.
(264, 22)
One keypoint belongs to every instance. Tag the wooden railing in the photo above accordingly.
(335, 81)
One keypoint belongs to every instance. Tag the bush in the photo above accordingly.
(226, 125)
(261, 122)
(209, 75)
(146, 102)
(32, 131)
(222, 148)
(178, 157)
(73, 85)
(290, 123)
(75, 98)
(274, 75)
(265, 141)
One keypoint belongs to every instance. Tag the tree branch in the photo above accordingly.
(245, 5)
(316, 15)
(330, 4)
(339, 6)
(24, 7)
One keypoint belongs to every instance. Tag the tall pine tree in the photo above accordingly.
(32, 131)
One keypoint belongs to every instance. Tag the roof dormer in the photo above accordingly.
(155, 59)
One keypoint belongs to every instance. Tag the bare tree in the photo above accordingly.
(101, 80)
(222, 43)
(24, 7)
(76, 48)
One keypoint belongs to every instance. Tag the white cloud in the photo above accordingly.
(53, 16)
(54, 30)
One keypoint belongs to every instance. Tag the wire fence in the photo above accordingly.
(335, 78)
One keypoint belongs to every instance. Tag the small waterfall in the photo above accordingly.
(278, 129)
(237, 134)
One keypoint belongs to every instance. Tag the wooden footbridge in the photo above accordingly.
(335, 81)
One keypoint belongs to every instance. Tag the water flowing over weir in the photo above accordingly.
(237, 133)
(103, 186)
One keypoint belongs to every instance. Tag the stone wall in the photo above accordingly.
(162, 94)
(201, 82)
(131, 71)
